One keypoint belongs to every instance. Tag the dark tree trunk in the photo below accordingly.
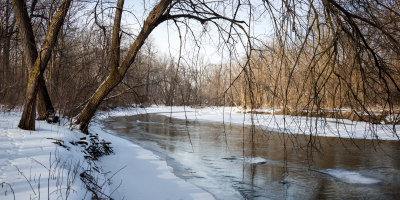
(154, 18)
(5, 58)
(90, 109)
(27, 121)
(28, 115)
(6, 33)
(30, 53)
(44, 106)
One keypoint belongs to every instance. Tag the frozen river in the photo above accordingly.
(232, 162)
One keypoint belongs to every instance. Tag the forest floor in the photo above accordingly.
(57, 162)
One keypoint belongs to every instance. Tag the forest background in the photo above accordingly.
(323, 58)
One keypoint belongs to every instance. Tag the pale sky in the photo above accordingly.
(165, 37)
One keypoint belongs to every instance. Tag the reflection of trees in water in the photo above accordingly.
(277, 177)
(313, 152)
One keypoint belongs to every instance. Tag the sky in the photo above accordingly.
(166, 37)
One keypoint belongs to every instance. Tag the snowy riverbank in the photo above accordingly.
(50, 162)
(278, 123)
(32, 166)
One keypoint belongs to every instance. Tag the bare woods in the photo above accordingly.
(75, 57)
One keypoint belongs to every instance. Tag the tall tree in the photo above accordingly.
(44, 104)
(5, 39)
(37, 61)
(196, 10)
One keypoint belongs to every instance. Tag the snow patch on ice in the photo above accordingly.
(249, 160)
(255, 160)
(349, 176)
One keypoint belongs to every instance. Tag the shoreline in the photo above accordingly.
(158, 143)
(324, 127)
(146, 170)
(47, 161)
(53, 162)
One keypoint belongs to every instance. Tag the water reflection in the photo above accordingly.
(245, 163)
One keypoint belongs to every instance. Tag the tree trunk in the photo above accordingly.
(28, 115)
(6, 32)
(5, 58)
(117, 74)
(90, 109)
(27, 121)
(45, 107)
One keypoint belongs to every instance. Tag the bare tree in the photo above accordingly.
(162, 11)
(6, 32)
(44, 104)
(329, 54)
(37, 61)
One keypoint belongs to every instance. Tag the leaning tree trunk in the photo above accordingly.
(30, 54)
(89, 110)
(28, 115)
(116, 75)
(45, 107)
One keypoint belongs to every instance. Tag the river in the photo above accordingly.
(234, 162)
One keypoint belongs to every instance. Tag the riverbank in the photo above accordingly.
(266, 120)
(55, 162)
(42, 164)
(233, 162)
(139, 174)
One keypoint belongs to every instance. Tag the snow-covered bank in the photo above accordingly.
(279, 123)
(139, 174)
(33, 166)
(42, 163)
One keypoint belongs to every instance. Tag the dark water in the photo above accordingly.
(233, 162)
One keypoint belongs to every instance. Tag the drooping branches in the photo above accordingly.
(333, 54)
(162, 11)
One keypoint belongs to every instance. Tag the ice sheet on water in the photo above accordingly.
(255, 160)
(249, 160)
(349, 176)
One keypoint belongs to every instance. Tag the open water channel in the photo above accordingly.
(234, 162)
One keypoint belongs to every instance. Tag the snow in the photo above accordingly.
(27, 158)
(328, 127)
(144, 175)
(349, 176)
(246, 159)
(32, 166)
